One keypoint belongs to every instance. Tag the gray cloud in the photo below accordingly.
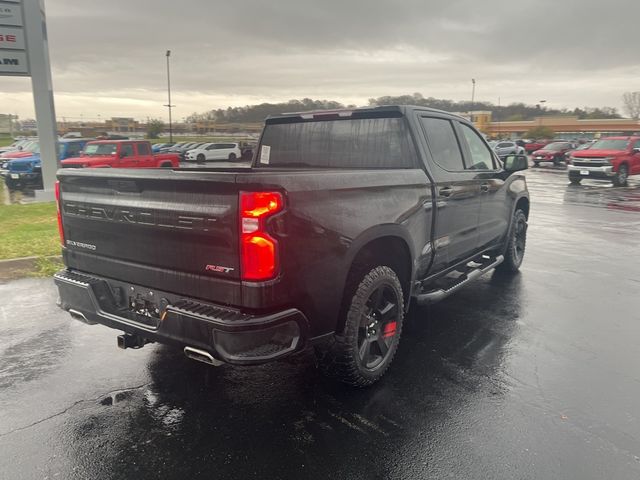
(572, 52)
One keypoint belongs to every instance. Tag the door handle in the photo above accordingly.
(445, 191)
(484, 187)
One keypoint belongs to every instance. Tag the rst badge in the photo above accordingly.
(218, 268)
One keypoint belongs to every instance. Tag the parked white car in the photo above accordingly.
(503, 148)
(215, 151)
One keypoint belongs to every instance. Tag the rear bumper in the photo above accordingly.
(604, 172)
(227, 334)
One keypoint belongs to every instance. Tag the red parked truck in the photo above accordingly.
(121, 154)
(611, 158)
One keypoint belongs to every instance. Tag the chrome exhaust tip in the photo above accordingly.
(77, 315)
(201, 356)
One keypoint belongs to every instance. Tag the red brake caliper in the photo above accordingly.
(389, 330)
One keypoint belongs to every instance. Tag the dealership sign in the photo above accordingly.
(13, 48)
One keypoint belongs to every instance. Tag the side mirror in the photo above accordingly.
(636, 150)
(515, 163)
(123, 155)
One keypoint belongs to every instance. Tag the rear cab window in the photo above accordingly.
(143, 148)
(353, 143)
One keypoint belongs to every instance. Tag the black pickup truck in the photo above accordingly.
(341, 221)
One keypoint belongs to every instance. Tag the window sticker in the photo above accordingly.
(265, 153)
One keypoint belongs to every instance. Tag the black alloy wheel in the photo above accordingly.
(516, 243)
(378, 326)
(361, 353)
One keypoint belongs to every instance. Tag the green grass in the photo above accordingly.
(4, 141)
(28, 230)
(46, 267)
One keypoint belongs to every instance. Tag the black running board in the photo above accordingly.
(440, 293)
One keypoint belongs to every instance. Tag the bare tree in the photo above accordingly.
(631, 102)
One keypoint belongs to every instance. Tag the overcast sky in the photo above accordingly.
(108, 56)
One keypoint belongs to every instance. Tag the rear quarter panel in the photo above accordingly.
(330, 216)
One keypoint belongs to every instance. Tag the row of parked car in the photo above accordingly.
(207, 151)
(610, 158)
(20, 163)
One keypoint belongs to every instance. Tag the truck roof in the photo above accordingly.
(72, 140)
(360, 112)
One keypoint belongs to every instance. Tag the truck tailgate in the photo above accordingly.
(169, 230)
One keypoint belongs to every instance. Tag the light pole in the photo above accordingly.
(473, 91)
(541, 102)
(168, 105)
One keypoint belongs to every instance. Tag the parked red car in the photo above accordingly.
(121, 154)
(554, 152)
(534, 145)
(27, 150)
(611, 158)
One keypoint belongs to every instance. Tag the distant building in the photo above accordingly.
(122, 125)
(213, 127)
(29, 125)
(5, 123)
(564, 126)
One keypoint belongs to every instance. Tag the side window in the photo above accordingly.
(127, 150)
(73, 149)
(143, 149)
(211, 147)
(443, 143)
(637, 144)
(481, 157)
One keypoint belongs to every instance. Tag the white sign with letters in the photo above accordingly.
(11, 14)
(13, 63)
(12, 38)
(13, 45)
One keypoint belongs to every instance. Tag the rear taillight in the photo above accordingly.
(60, 230)
(258, 249)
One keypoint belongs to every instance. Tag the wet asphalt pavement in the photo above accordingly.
(533, 377)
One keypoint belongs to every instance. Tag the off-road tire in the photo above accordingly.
(516, 243)
(339, 356)
(620, 179)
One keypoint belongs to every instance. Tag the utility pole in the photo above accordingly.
(168, 105)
